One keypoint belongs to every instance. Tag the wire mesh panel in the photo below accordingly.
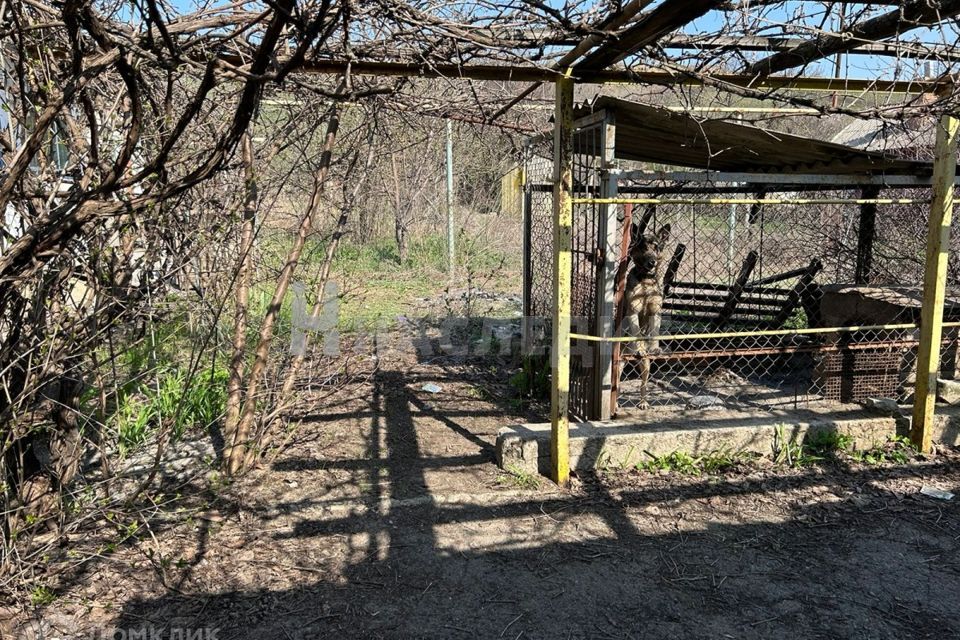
(758, 291)
(743, 286)
(538, 195)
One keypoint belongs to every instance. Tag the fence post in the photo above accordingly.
(451, 236)
(934, 283)
(608, 236)
(562, 240)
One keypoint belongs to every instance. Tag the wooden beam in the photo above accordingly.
(608, 234)
(914, 14)
(666, 17)
(562, 264)
(934, 283)
(866, 231)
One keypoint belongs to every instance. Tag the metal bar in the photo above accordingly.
(751, 201)
(934, 283)
(529, 73)
(712, 177)
(451, 236)
(621, 284)
(750, 334)
(759, 43)
(778, 350)
(562, 263)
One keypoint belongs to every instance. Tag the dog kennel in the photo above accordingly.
(793, 273)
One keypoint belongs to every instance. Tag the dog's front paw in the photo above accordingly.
(643, 406)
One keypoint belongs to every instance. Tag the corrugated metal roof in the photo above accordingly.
(891, 137)
(651, 134)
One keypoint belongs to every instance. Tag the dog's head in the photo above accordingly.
(646, 250)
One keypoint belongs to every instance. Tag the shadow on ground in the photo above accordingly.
(717, 558)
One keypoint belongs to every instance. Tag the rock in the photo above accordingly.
(948, 391)
(705, 402)
(883, 406)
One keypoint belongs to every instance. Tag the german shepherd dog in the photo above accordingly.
(643, 295)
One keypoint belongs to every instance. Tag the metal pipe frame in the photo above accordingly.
(562, 264)
(511, 73)
(753, 334)
(751, 201)
(934, 283)
(713, 177)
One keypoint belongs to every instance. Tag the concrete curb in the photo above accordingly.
(598, 445)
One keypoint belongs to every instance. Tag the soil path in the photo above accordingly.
(390, 520)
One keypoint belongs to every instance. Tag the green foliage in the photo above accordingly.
(518, 478)
(790, 451)
(797, 320)
(175, 401)
(722, 460)
(132, 422)
(897, 450)
(822, 444)
(677, 461)
(42, 596)
(533, 380)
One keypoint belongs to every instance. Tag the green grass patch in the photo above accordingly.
(897, 450)
(712, 463)
(518, 478)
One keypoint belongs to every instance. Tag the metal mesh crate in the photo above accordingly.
(853, 375)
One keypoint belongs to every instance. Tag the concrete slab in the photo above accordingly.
(526, 447)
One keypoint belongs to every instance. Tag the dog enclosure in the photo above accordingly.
(793, 273)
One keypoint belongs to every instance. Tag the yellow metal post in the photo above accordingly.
(934, 283)
(562, 241)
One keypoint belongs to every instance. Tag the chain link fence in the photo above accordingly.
(759, 291)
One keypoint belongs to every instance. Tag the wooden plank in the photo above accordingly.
(736, 291)
(934, 283)
(608, 234)
(799, 291)
(911, 15)
(562, 263)
(866, 231)
(666, 17)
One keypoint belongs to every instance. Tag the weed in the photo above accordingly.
(723, 460)
(822, 443)
(533, 379)
(677, 461)
(131, 422)
(173, 401)
(791, 451)
(518, 478)
(897, 450)
(42, 596)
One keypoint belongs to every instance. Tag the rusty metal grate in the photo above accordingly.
(854, 376)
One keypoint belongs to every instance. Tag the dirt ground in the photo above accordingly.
(389, 519)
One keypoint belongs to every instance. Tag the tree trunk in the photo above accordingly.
(239, 448)
(244, 276)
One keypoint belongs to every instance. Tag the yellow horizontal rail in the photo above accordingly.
(757, 201)
(751, 334)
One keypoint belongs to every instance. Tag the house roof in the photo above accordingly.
(646, 133)
(890, 137)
